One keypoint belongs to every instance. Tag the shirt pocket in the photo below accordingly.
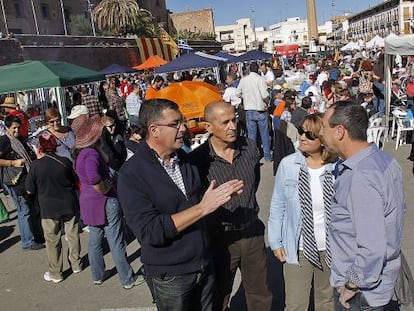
(290, 186)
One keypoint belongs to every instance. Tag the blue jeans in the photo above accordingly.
(357, 303)
(257, 119)
(114, 234)
(187, 292)
(23, 217)
(380, 99)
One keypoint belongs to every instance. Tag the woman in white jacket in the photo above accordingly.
(299, 215)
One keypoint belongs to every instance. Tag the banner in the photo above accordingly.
(154, 46)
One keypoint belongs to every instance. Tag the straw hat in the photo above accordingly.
(77, 111)
(9, 103)
(87, 130)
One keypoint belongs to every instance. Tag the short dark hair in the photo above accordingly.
(10, 119)
(159, 79)
(254, 67)
(351, 116)
(306, 102)
(152, 111)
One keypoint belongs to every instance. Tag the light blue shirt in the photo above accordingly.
(285, 219)
(366, 228)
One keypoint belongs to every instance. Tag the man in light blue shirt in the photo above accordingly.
(368, 209)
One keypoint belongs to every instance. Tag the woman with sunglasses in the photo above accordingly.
(299, 215)
(113, 144)
(63, 134)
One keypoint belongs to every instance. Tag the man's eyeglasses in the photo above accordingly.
(110, 126)
(174, 124)
(309, 135)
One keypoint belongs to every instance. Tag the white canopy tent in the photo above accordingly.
(394, 45)
(350, 46)
(375, 42)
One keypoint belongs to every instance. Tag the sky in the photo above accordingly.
(268, 12)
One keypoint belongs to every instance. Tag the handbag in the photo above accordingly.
(11, 176)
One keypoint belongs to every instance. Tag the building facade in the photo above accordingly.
(238, 37)
(48, 17)
(201, 21)
(392, 16)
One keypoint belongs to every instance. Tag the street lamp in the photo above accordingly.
(90, 6)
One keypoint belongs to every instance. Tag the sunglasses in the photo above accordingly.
(309, 135)
(110, 126)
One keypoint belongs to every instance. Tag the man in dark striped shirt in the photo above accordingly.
(237, 234)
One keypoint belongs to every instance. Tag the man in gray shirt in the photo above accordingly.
(368, 209)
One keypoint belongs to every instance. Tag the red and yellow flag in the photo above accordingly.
(166, 38)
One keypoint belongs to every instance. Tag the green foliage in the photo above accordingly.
(141, 26)
(116, 16)
(79, 25)
(191, 35)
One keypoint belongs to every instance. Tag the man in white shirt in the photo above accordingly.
(268, 74)
(133, 104)
(253, 90)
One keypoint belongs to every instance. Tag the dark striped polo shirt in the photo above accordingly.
(242, 210)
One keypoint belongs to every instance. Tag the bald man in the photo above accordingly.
(235, 229)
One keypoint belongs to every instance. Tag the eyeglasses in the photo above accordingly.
(110, 126)
(54, 121)
(174, 124)
(309, 135)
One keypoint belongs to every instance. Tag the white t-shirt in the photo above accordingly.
(318, 208)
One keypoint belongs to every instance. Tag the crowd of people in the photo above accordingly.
(336, 212)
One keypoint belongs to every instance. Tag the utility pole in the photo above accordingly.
(90, 6)
(35, 17)
(63, 17)
(6, 27)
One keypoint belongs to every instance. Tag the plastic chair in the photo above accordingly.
(375, 122)
(396, 113)
(402, 130)
(377, 135)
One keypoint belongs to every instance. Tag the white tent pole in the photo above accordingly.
(387, 76)
(60, 97)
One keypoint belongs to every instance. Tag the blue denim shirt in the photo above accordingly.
(285, 221)
(366, 228)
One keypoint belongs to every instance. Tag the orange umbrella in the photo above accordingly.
(152, 62)
(191, 96)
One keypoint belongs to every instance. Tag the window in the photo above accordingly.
(44, 9)
(17, 9)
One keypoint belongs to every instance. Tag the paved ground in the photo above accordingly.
(21, 275)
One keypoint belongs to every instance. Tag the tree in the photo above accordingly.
(142, 26)
(79, 25)
(116, 16)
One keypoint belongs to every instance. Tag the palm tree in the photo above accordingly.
(142, 26)
(116, 15)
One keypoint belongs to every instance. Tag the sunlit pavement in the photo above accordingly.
(21, 275)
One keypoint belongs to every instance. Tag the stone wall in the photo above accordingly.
(91, 52)
(194, 21)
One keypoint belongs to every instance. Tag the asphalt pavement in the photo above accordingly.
(22, 286)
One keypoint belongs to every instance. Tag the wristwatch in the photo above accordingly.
(353, 288)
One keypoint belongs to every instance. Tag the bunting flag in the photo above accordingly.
(154, 46)
(168, 40)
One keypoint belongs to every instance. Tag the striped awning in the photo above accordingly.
(154, 46)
